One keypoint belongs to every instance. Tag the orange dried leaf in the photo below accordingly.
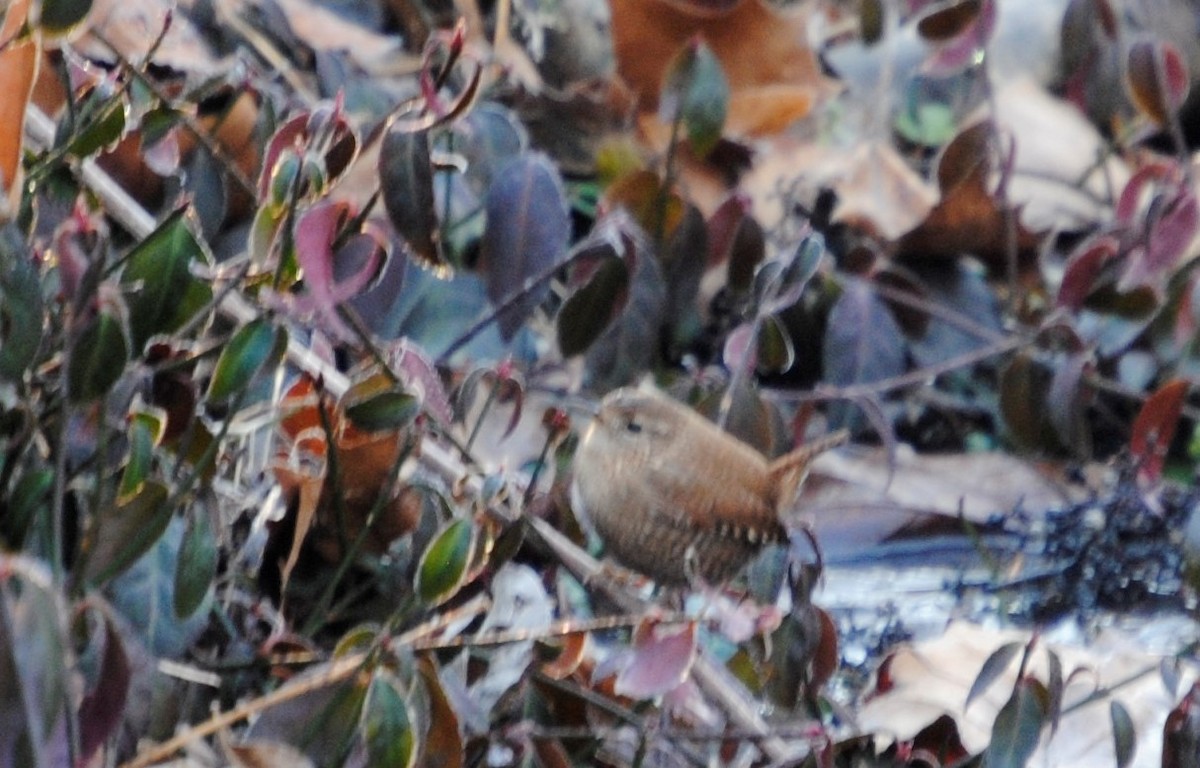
(756, 44)
(569, 658)
(18, 69)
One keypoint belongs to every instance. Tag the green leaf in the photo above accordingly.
(871, 20)
(28, 497)
(98, 358)
(775, 350)
(1124, 733)
(1018, 726)
(124, 532)
(359, 639)
(388, 725)
(61, 15)
(589, 311)
(145, 595)
(20, 312)
(197, 563)
(406, 184)
(992, 668)
(697, 93)
(145, 431)
(389, 410)
(256, 346)
(103, 128)
(163, 293)
(443, 566)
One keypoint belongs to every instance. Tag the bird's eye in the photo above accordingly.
(633, 427)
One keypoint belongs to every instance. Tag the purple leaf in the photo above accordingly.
(416, 368)
(662, 657)
(738, 344)
(863, 343)
(527, 229)
(315, 234)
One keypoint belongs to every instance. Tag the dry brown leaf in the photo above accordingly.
(878, 193)
(972, 217)
(873, 503)
(324, 30)
(876, 189)
(365, 464)
(933, 678)
(132, 26)
(757, 45)
(1058, 181)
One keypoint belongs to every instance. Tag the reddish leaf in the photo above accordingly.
(443, 743)
(1083, 269)
(739, 345)
(941, 738)
(825, 657)
(723, 226)
(962, 50)
(316, 232)
(1181, 732)
(1154, 428)
(103, 705)
(18, 70)
(414, 366)
(1172, 226)
(1133, 196)
(1157, 78)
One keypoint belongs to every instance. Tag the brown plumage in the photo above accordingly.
(661, 484)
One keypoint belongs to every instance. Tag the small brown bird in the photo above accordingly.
(674, 497)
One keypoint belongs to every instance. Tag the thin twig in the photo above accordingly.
(338, 671)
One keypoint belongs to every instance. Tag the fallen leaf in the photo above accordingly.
(1057, 178)
(756, 44)
(931, 679)
(855, 499)
(971, 216)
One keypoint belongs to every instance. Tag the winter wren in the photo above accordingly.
(674, 497)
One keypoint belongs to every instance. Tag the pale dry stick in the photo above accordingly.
(712, 679)
(338, 671)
